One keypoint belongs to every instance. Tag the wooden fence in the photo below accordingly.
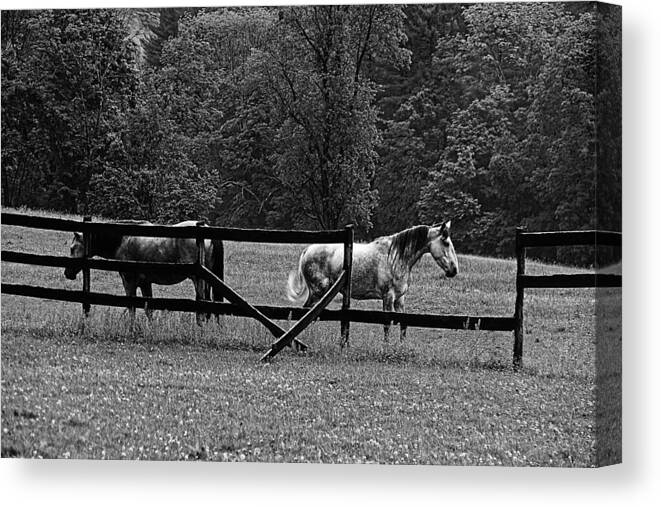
(237, 305)
(266, 314)
(560, 238)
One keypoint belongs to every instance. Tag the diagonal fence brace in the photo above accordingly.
(253, 312)
(305, 321)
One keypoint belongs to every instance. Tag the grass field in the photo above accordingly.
(173, 390)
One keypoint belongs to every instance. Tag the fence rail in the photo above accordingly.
(308, 318)
(459, 322)
(100, 264)
(570, 281)
(168, 231)
(570, 238)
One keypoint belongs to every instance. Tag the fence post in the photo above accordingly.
(346, 298)
(518, 306)
(220, 267)
(200, 282)
(87, 248)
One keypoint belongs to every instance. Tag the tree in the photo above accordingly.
(148, 172)
(322, 104)
(190, 148)
(205, 76)
(415, 104)
(67, 76)
(521, 144)
(384, 116)
(609, 117)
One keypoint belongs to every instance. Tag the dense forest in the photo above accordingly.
(492, 115)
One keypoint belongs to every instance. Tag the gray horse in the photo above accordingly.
(380, 270)
(148, 249)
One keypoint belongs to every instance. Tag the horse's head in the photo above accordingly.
(76, 252)
(442, 249)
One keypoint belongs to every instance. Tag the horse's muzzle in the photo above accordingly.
(451, 273)
(70, 275)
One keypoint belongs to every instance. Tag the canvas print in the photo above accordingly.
(315, 234)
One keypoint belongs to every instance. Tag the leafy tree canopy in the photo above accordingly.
(492, 115)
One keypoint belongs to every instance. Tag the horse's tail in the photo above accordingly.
(297, 287)
(217, 263)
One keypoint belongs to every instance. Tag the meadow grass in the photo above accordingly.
(169, 389)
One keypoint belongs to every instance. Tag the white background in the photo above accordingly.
(635, 482)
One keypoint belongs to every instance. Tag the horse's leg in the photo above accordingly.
(206, 291)
(130, 288)
(145, 288)
(388, 299)
(399, 307)
(317, 289)
(207, 297)
(212, 295)
(310, 302)
(199, 294)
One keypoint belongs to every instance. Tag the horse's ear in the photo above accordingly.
(77, 236)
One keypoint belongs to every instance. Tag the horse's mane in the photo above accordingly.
(409, 241)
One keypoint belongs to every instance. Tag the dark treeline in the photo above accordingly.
(385, 116)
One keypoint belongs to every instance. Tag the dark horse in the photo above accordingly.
(380, 269)
(148, 249)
